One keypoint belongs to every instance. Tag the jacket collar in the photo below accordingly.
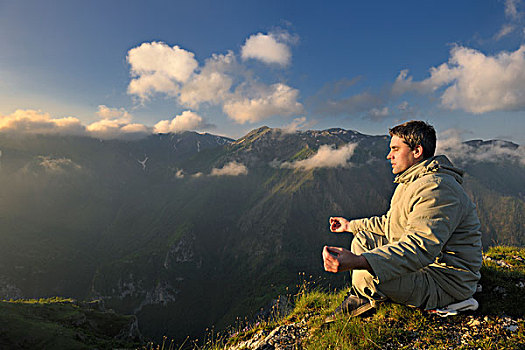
(428, 166)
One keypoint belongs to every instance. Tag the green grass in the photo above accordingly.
(59, 323)
(394, 326)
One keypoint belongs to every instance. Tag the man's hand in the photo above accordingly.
(338, 259)
(338, 224)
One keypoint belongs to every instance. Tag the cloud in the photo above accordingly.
(514, 17)
(231, 169)
(274, 100)
(221, 81)
(106, 112)
(505, 30)
(378, 114)
(332, 100)
(157, 67)
(112, 128)
(326, 157)
(57, 165)
(36, 122)
(358, 103)
(116, 123)
(187, 120)
(451, 144)
(474, 82)
(268, 48)
(296, 124)
(511, 9)
(211, 85)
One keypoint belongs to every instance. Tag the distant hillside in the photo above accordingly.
(65, 324)
(192, 230)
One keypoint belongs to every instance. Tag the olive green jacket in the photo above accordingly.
(431, 225)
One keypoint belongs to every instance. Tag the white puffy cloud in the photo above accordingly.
(157, 67)
(326, 157)
(119, 114)
(451, 144)
(111, 128)
(187, 120)
(36, 122)
(222, 81)
(269, 48)
(231, 169)
(116, 123)
(475, 82)
(211, 85)
(277, 99)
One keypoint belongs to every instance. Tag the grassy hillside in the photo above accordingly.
(497, 324)
(57, 323)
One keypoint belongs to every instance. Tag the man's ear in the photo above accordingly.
(418, 152)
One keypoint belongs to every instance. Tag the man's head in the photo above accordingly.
(411, 142)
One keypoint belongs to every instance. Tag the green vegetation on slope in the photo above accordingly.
(497, 324)
(58, 323)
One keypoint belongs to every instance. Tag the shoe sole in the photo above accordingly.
(356, 312)
(361, 310)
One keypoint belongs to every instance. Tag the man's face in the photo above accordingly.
(401, 156)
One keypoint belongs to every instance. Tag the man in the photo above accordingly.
(426, 250)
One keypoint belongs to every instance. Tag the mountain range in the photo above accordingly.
(189, 230)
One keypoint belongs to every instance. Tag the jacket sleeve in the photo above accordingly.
(375, 224)
(434, 212)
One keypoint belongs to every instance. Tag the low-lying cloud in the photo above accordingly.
(326, 157)
(297, 124)
(114, 123)
(31, 121)
(451, 145)
(231, 169)
(57, 165)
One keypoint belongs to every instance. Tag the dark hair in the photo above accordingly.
(415, 133)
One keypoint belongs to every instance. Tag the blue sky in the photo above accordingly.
(120, 68)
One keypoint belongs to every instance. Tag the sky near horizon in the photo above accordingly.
(131, 68)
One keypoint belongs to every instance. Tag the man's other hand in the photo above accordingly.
(337, 259)
(338, 224)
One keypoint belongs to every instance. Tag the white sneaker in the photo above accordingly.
(470, 304)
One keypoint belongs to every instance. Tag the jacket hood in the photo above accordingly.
(436, 164)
